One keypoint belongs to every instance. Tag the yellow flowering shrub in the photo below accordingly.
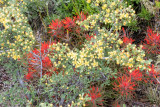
(102, 48)
(113, 12)
(130, 56)
(105, 46)
(17, 37)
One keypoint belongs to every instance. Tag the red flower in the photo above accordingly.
(29, 75)
(125, 86)
(55, 27)
(127, 40)
(89, 37)
(44, 47)
(34, 61)
(152, 42)
(68, 23)
(94, 94)
(34, 57)
(46, 62)
(81, 17)
(152, 72)
(136, 75)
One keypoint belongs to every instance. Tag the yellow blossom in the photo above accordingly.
(139, 58)
(104, 6)
(88, 1)
(108, 10)
(113, 3)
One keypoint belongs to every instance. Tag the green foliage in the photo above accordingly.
(48, 19)
(131, 2)
(70, 8)
(133, 25)
(153, 94)
(14, 95)
(35, 11)
(158, 60)
(144, 14)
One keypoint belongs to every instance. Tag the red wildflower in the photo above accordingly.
(34, 57)
(124, 32)
(29, 76)
(152, 42)
(44, 47)
(152, 72)
(127, 40)
(88, 37)
(136, 75)
(116, 104)
(125, 86)
(67, 30)
(81, 17)
(46, 62)
(68, 23)
(34, 61)
(55, 27)
(94, 94)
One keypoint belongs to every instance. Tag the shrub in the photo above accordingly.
(16, 39)
(112, 12)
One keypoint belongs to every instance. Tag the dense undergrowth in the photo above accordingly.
(73, 53)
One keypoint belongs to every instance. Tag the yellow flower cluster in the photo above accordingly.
(112, 12)
(90, 22)
(130, 56)
(17, 37)
(104, 46)
(59, 56)
(85, 57)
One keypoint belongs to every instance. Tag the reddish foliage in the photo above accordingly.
(29, 75)
(127, 83)
(152, 42)
(34, 57)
